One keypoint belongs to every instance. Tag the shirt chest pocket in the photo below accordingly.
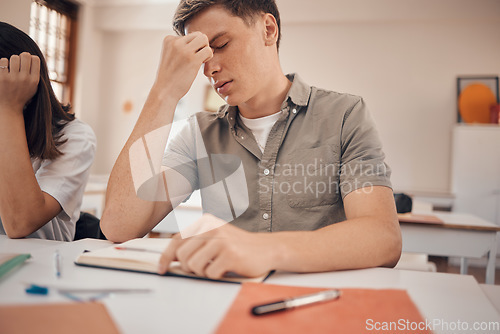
(313, 177)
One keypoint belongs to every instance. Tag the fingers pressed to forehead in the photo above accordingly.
(205, 54)
(190, 37)
(14, 63)
(198, 42)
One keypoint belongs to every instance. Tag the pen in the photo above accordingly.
(290, 303)
(137, 249)
(57, 264)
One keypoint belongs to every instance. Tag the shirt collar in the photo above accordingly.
(298, 93)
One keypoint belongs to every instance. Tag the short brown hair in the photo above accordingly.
(245, 9)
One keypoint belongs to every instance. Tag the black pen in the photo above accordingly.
(290, 303)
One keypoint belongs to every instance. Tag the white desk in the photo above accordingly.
(180, 305)
(21, 245)
(493, 294)
(461, 235)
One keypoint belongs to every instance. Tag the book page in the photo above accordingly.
(152, 244)
(127, 259)
(143, 254)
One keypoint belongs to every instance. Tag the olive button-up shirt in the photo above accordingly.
(323, 146)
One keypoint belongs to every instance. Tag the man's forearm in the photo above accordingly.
(352, 244)
(126, 215)
(363, 242)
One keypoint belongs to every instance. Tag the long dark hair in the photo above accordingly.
(44, 115)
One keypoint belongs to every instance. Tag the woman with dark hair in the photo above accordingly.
(45, 152)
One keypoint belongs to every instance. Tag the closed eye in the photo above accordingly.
(221, 47)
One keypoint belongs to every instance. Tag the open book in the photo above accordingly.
(143, 255)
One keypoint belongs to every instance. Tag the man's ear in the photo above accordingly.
(271, 31)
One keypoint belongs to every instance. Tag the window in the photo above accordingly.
(53, 28)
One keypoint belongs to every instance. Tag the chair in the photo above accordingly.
(404, 202)
(87, 226)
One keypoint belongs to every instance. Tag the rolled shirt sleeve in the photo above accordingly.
(362, 158)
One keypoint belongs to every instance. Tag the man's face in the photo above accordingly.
(241, 59)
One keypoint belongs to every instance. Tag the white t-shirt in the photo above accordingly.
(261, 127)
(65, 179)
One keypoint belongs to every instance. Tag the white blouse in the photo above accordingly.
(65, 179)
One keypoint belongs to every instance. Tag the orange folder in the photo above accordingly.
(57, 318)
(356, 311)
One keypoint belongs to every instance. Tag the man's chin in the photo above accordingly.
(231, 101)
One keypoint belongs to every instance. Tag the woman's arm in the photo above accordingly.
(24, 208)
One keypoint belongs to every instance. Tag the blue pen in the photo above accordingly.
(57, 264)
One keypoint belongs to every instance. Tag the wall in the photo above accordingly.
(127, 72)
(407, 73)
(119, 49)
(403, 57)
(17, 13)
(88, 68)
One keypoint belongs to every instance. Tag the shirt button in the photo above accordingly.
(294, 110)
(265, 216)
(266, 171)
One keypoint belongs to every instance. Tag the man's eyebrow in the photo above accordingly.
(217, 36)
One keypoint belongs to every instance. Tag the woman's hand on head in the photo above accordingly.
(19, 79)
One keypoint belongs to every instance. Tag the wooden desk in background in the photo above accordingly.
(457, 234)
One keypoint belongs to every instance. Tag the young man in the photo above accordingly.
(313, 169)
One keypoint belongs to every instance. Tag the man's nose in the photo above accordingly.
(211, 67)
